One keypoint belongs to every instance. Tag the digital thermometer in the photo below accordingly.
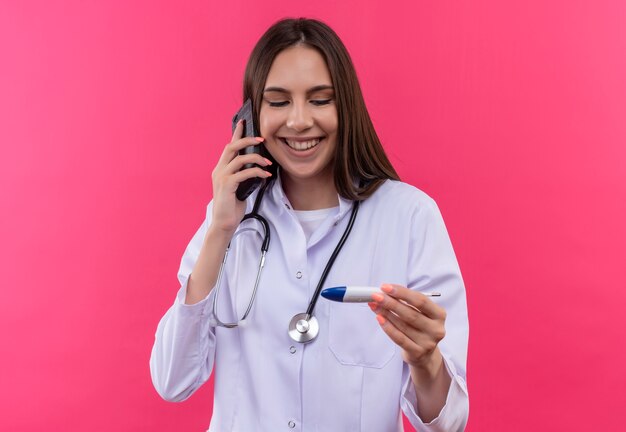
(356, 294)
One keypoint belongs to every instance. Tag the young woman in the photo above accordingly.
(337, 215)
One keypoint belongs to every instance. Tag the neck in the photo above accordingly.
(310, 194)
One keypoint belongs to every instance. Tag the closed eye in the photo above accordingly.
(316, 102)
(320, 102)
(278, 104)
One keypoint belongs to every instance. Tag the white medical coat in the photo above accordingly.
(352, 377)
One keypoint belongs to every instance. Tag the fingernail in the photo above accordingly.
(259, 139)
(373, 306)
(239, 122)
(269, 162)
(378, 297)
(268, 174)
(381, 319)
(386, 288)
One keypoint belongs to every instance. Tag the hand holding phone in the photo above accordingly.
(245, 113)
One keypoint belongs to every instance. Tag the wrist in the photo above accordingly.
(431, 382)
(428, 368)
(220, 235)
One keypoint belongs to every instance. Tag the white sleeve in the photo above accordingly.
(433, 268)
(184, 347)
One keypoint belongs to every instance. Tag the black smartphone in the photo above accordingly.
(245, 113)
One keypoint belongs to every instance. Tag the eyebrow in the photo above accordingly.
(309, 91)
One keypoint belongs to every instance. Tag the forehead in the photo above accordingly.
(298, 67)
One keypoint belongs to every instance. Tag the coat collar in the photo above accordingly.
(278, 195)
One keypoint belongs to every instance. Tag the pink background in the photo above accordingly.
(112, 116)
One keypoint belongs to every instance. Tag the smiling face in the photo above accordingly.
(298, 115)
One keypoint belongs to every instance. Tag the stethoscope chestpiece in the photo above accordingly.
(303, 328)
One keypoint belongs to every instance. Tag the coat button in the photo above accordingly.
(291, 424)
(299, 275)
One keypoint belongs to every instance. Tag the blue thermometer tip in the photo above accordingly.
(335, 293)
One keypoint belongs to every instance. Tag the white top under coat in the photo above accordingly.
(311, 219)
(352, 377)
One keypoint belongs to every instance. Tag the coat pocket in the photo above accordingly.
(356, 338)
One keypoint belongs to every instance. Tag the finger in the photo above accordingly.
(238, 131)
(415, 299)
(249, 173)
(403, 310)
(406, 317)
(427, 335)
(398, 337)
(240, 161)
(232, 149)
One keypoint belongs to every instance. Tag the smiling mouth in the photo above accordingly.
(301, 145)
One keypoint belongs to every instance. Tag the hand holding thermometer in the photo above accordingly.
(356, 294)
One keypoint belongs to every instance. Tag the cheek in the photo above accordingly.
(263, 122)
(330, 122)
(268, 124)
(263, 126)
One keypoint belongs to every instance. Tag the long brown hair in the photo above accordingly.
(360, 162)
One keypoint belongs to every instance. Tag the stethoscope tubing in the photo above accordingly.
(264, 248)
(331, 260)
(306, 319)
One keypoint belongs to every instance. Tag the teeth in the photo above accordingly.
(302, 145)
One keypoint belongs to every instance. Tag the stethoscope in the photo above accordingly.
(303, 327)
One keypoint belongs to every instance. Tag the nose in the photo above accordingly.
(299, 118)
